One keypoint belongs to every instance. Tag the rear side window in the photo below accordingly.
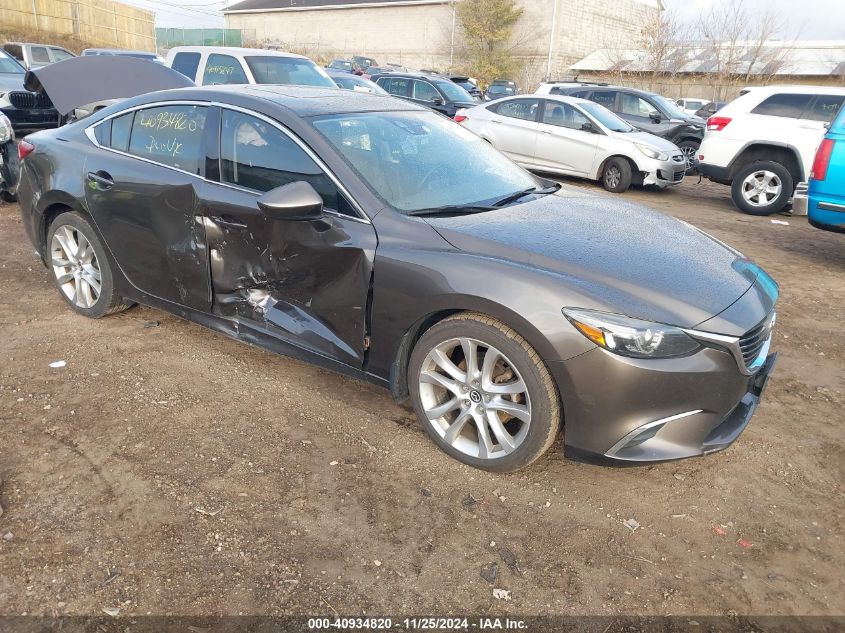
(121, 127)
(223, 69)
(607, 98)
(187, 64)
(525, 109)
(824, 108)
(259, 156)
(40, 54)
(170, 135)
(395, 85)
(784, 105)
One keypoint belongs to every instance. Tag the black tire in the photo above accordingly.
(777, 202)
(616, 176)
(545, 407)
(689, 147)
(8, 196)
(107, 300)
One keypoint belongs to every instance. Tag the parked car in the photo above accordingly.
(122, 52)
(691, 105)
(36, 55)
(26, 110)
(342, 65)
(762, 143)
(363, 62)
(356, 83)
(433, 91)
(216, 65)
(576, 137)
(647, 111)
(826, 193)
(435, 267)
(500, 88)
(8, 159)
(710, 109)
(467, 84)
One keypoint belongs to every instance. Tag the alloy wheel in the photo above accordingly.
(761, 187)
(75, 266)
(475, 398)
(689, 155)
(612, 177)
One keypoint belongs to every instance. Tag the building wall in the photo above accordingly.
(420, 36)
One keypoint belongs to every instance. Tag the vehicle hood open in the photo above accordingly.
(78, 81)
(621, 257)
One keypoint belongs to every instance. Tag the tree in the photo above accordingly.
(660, 38)
(487, 27)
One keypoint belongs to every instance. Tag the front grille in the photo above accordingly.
(672, 176)
(753, 340)
(29, 100)
(678, 176)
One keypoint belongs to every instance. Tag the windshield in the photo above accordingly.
(499, 89)
(454, 92)
(670, 107)
(420, 160)
(605, 117)
(358, 84)
(340, 64)
(269, 69)
(10, 66)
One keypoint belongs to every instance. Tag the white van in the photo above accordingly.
(215, 65)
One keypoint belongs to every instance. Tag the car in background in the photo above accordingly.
(342, 65)
(826, 191)
(123, 52)
(433, 91)
(8, 160)
(762, 144)
(218, 65)
(710, 109)
(467, 84)
(575, 137)
(356, 83)
(692, 105)
(26, 110)
(500, 88)
(363, 62)
(35, 55)
(647, 111)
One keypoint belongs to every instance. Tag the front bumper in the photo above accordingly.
(662, 172)
(629, 410)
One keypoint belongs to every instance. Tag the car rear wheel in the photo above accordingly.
(80, 267)
(761, 188)
(483, 394)
(616, 177)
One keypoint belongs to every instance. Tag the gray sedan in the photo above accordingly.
(376, 238)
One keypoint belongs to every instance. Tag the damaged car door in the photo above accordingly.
(304, 280)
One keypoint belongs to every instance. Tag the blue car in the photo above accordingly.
(826, 193)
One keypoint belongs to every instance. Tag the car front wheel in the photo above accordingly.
(761, 188)
(80, 267)
(483, 394)
(616, 177)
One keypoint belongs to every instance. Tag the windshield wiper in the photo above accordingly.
(453, 209)
(519, 194)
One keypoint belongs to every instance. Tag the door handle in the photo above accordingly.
(495, 121)
(228, 220)
(102, 179)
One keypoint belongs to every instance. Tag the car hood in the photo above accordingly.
(610, 255)
(11, 82)
(647, 138)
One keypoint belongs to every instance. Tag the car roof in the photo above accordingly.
(232, 50)
(410, 74)
(559, 98)
(120, 50)
(798, 89)
(35, 44)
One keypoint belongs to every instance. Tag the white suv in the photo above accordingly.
(762, 144)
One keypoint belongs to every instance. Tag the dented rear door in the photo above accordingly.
(306, 282)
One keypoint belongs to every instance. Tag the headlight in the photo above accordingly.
(6, 131)
(651, 152)
(631, 337)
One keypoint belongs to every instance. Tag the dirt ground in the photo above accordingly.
(167, 469)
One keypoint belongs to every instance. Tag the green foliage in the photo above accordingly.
(487, 27)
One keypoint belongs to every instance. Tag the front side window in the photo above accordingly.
(273, 69)
(606, 117)
(9, 66)
(395, 85)
(784, 105)
(256, 155)
(187, 64)
(454, 92)
(424, 91)
(420, 160)
(824, 108)
(171, 135)
(563, 115)
(40, 54)
(60, 54)
(632, 105)
(607, 98)
(525, 109)
(223, 69)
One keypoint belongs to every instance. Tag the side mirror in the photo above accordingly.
(294, 201)
(589, 127)
(436, 101)
(655, 116)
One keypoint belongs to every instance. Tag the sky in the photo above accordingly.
(806, 19)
